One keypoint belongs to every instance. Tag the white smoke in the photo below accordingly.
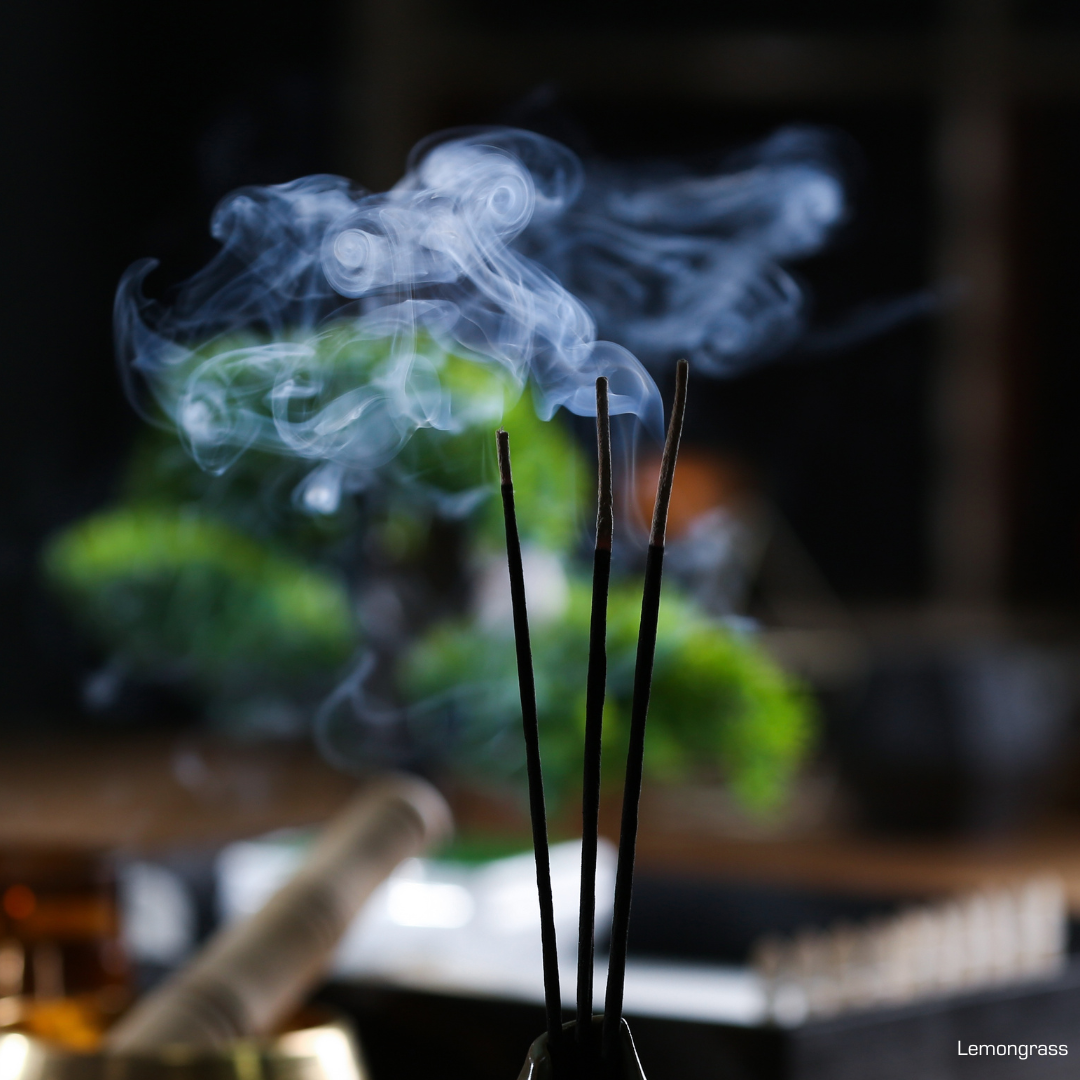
(672, 264)
(322, 328)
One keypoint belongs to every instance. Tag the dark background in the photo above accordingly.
(124, 123)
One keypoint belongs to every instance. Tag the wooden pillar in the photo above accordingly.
(969, 519)
(387, 86)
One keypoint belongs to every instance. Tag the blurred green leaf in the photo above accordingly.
(173, 590)
(719, 706)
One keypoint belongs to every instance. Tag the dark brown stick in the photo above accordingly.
(530, 725)
(596, 687)
(646, 651)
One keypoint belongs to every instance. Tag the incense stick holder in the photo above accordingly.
(539, 1066)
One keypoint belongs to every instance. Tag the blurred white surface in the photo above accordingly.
(436, 924)
(456, 928)
(158, 924)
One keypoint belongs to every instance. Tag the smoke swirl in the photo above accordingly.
(672, 264)
(324, 326)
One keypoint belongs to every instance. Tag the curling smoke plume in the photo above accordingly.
(672, 265)
(321, 328)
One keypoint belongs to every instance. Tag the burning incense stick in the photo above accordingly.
(527, 688)
(650, 610)
(594, 718)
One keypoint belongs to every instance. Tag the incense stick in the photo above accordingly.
(527, 689)
(650, 610)
(596, 686)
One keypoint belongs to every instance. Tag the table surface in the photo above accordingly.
(143, 793)
(849, 862)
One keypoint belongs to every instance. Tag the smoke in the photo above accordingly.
(335, 324)
(324, 326)
(671, 264)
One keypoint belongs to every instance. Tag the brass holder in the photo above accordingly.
(326, 1051)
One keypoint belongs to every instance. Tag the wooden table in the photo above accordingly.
(152, 792)
(830, 857)
(146, 792)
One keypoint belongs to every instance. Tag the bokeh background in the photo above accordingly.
(931, 466)
(917, 447)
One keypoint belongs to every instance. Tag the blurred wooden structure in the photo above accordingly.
(141, 793)
(683, 833)
(849, 863)
(155, 794)
(972, 68)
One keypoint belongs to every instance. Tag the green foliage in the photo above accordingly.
(177, 592)
(549, 483)
(719, 705)
(473, 848)
(549, 468)
(211, 576)
(253, 496)
(342, 369)
(439, 468)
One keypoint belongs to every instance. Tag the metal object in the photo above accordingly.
(254, 973)
(323, 1052)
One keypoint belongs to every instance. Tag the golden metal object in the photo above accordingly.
(327, 1051)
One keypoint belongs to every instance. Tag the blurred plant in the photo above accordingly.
(720, 707)
(208, 575)
(549, 477)
(194, 600)
(252, 496)
(216, 580)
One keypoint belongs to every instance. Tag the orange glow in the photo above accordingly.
(19, 901)
(703, 481)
